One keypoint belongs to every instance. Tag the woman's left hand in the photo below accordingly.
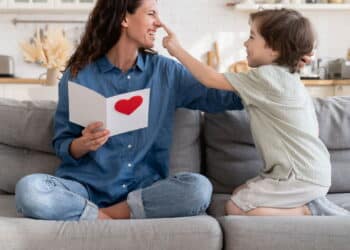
(306, 59)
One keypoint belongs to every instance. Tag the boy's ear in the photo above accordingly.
(275, 54)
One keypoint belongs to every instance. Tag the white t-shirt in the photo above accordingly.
(283, 123)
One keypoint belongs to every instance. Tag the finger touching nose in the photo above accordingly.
(166, 28)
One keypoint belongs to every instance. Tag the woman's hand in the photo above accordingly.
(170, 42)
(93, 137)
(306, 59)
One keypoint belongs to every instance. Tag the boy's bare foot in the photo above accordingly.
(103, 216)
(306, 210)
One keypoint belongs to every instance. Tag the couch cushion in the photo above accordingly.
(190, 233)
(287, 233)
(18, 162)
(27, 124)
(185, 154)
(231, 157)
(8, 206)
(26, 131)
(334, 120)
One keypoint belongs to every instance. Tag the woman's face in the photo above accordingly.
(141, 26)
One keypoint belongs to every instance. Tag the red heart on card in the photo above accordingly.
(128, 106)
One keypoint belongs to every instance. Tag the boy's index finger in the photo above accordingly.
(167, 30)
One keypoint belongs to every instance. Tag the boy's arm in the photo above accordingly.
(205, 74)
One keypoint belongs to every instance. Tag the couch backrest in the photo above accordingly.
(26, 131)
(231, 157)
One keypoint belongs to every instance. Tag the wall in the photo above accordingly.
(198, 23)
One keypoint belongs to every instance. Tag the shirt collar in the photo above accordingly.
(105, 65)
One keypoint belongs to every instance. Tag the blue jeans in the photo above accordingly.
(47, 197)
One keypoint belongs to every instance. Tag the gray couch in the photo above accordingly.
(220, 143)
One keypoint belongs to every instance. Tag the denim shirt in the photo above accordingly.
(135, 159)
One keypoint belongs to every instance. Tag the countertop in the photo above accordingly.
(306, 82)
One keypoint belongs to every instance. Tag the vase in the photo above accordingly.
(52, 75)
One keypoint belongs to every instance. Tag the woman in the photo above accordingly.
(126, 175)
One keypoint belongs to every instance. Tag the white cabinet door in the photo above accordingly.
(342, 90)
(75, 4)
(3, 3)
(321, 91)
(30, 3)
(29, 92)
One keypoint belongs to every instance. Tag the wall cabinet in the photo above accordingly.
(74, 3)
(30, 3)
(45, 5)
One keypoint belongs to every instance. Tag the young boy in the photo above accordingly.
(297, 172)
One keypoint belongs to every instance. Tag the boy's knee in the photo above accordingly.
(232, 209)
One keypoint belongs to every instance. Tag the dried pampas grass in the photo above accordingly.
(49, 48)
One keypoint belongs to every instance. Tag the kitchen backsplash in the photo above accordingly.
(198, 24)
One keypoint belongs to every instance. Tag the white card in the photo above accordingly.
(119, 114)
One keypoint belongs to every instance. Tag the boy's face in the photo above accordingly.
(141, 26)
(258, 53)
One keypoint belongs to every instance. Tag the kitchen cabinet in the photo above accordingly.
(75, 3)
(27, 89)
(321, 91)
(45, 6)
(13, 4)
(303, 7)
(323, 88)
(3, 3)
(342, 90)
(29, 92)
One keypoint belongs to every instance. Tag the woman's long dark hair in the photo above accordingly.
(102, 32)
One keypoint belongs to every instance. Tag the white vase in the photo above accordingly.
(52, 76)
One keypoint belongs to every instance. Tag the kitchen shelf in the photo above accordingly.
(306, 82)
(306, 7)
(22, 81)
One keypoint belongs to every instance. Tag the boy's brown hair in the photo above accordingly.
(287, 32)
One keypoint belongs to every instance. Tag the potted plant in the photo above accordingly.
(49, 48)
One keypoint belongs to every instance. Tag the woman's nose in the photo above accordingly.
(157, 22)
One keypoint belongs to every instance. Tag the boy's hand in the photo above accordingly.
(170, 42)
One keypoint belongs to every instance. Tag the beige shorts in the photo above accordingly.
(267, 192)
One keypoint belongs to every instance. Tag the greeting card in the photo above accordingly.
(119, 114)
